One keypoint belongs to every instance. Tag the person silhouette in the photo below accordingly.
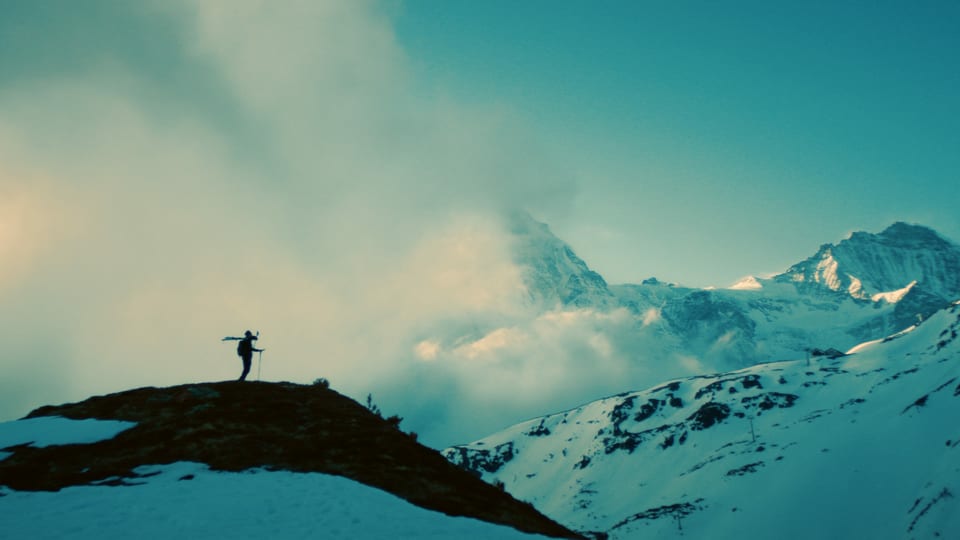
(245, 350)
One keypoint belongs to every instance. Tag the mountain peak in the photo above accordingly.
(905, 235)
(900, 235)
(866, 264)
(553, 273)
(522, 223)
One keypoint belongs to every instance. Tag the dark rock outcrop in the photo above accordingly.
(234, 426)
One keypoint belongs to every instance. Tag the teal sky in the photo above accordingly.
(711, 140)
(694, 141)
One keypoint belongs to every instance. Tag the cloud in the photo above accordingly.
(489, 376)
(274, 167)
(28, 224)
(236, 165)
(651, 316)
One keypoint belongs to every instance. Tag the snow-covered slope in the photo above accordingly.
(232, 459)
(188, 500)
(860, 446)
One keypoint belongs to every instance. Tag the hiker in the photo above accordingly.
(245, 350)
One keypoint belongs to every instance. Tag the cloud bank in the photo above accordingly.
(274, 167)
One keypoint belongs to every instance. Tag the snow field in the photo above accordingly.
(869, 449)
(54, 430)
(187, 500)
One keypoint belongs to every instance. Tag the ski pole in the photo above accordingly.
(259, 358)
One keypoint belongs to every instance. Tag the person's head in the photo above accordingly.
(248, 334)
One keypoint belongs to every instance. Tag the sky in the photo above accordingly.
(334, 173)
(716, 126)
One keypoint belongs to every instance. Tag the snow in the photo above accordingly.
(856, 287)
(749, 283)
(864, 346)
(54, 430)
(893, 297)
(187, 500)
(868, 449)
(867, 264)
(827, 272)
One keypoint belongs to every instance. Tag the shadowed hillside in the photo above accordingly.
(235, 426)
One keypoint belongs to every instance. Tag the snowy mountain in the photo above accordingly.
(883, 266)
(863, 288)
(257, 460)
(189, 500)
(552, 272)
(863, 445)
(577, 337)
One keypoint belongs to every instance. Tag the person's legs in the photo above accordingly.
(246, 367)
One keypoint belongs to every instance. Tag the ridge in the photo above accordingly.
(233, 426)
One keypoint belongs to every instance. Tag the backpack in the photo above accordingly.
(245, 347)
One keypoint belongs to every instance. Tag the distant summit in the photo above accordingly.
(553, 273)
(906, 235)
(863, 287)
(866, 265)
(577, 336)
